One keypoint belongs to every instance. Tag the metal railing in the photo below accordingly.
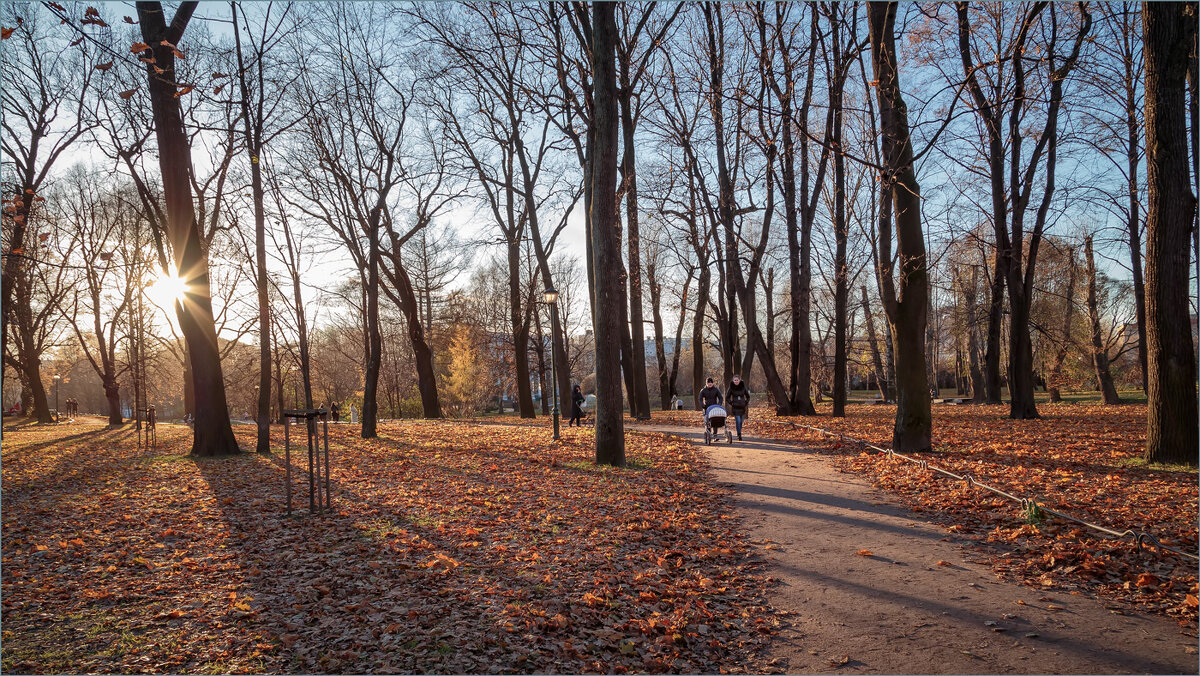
(1030, 505)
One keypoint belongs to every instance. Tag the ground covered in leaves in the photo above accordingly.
(452, 547)
(1082, 460)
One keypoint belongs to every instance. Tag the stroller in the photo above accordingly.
(714, 423)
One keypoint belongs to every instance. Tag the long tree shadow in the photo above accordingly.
(396, 579)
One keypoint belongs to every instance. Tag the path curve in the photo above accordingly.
(898, 611)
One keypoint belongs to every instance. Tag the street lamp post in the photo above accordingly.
(57, 412)
(550, 295)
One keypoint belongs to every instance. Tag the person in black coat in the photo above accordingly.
(335, 411)
(738, 396)
(576, 407)
(710, 395)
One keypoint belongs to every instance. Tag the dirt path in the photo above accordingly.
(897, 611)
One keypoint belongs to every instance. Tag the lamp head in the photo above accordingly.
(550, 295)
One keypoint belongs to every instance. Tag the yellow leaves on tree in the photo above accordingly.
(465, 391)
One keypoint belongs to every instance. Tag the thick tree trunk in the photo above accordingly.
(906, 305)
(992, 381)
(212, 433)
(1172, 426)
(422, 354)
(1020, 359)
(112, 394)
(606, 245)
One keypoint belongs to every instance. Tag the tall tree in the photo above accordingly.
(256, 115)
(905, 292)
(801, 190)
(638, 42)
(1011, 201)
(46, 85)
(610, 433)
(1172, 428)
(213, 434)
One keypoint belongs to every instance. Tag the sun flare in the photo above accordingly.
(167, 289)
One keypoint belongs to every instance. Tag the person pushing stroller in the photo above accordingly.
(711, 401)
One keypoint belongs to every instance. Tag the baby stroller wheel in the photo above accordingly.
(707, 438)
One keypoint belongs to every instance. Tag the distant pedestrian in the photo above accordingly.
(576, 407)
(738, 397)
(335, 411)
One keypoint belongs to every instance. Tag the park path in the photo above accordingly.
(898, 611)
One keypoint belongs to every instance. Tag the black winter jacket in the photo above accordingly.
(711, 395)
(738, 398)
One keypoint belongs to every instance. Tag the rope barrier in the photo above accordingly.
(1142, 539)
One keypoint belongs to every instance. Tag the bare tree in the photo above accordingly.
(1011, 200)
(46, 85)
(213, 434)
(906, 294)
(1172, 429)
(606, 247)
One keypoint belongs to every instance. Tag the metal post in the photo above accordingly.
(554, 366)
(325, 424)
(57, 411)
(287, 459)
(312, 504)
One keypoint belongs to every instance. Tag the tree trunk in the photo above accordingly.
(698, 366)
(640, 392)
(212, 433)
(1060, 357)
(1133, 229)
(606, 245)
(422, 354)
(520, 332)
(370, 412)
(881, 376)
(993, 383)
(907, 305)
(672, 384)
(1172, 426)
(1104, 380)
(841, 294)
(660, 353)
(112, 393)
(253, 140)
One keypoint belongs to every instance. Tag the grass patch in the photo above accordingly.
(1141, 463)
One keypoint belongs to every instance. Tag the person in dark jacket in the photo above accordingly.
(738, 396)
(335, 411)
(576, 407)
(710, 395)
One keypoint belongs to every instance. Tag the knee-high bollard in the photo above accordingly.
(318, 500)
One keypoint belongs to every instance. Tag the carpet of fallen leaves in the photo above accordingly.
(1078, 459)
(453, 547)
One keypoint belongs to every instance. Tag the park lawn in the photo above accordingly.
(453, 547)
(1083, 460)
